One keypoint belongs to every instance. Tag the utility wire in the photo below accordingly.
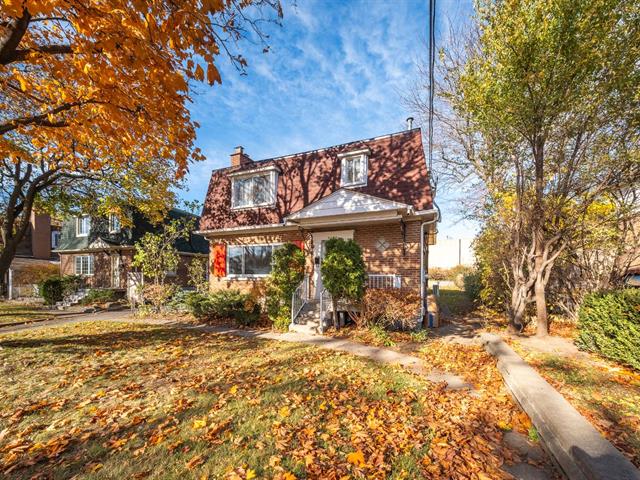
(432, 59)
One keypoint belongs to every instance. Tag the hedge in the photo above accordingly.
(609, 324)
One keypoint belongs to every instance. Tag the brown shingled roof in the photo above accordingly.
(397, 171)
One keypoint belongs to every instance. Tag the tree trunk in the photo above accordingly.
(336, 320)
(542, 321)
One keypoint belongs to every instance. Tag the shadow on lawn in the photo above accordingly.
(126, 340)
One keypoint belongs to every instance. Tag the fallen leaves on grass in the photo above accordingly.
(157, 399)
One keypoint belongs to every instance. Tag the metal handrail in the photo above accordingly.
(299, 298)
(325, 301)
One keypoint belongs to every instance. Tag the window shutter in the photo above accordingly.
(299, 244)
(219, 260)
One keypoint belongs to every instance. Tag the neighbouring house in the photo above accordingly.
(101, 250)
(35, 254)
(374, 191)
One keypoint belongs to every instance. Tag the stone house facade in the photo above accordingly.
(374, 191)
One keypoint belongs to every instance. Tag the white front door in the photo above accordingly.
(319, 239)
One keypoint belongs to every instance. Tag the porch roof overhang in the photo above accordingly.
(348, 207)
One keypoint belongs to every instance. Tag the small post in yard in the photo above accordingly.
(10, 284)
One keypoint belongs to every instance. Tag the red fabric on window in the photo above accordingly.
(219, 260)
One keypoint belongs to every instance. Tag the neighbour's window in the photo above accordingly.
(249, 259)
(254, 191)
(354, 170)
(114, 224)
(84, 265)
(55, 239)
(83, 225)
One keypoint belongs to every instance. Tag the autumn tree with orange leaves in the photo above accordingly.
(94, 95)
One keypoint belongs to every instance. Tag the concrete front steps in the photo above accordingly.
(308, 321)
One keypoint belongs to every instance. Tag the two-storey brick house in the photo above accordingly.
(375, 191)
(101, 249)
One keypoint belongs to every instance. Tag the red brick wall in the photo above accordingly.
(397, 171)
(391, 261)
(218, 283)
(102, 269)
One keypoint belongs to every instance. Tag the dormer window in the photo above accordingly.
(354, 169)
(114, 224)
(83, 225)
(255, 188)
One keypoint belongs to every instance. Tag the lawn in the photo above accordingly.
(111, 400)
(455, 302)
(17, 312)
(604, 392)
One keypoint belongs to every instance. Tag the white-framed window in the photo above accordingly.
(83, 226)
(354, 169)
(84, 264)
(255, 190)
(249, 260)
(55, 239)
(114, 224)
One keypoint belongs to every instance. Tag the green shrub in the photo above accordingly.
(609, 323)
(472, 285)
(343, 272)
(287, 271)
(224, 305)
(100, 295)
(54, 289)
(51, 290)
(381, 336)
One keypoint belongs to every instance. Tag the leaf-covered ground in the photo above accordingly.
(604, 392)
(17, 312)
(111, 400)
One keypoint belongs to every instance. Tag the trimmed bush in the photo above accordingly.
(54, 289)
(472, 285)
(224, 305)
(609, 324)
(51, 290)
(100, 295)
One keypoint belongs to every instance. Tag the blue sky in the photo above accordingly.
(336, 71)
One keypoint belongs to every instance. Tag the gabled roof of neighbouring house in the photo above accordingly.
(100, 237)
(397, 172)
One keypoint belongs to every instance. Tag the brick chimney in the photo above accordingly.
(238, 157)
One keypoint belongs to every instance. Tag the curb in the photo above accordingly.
(580, 450)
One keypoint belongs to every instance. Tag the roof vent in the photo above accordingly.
(409, 123)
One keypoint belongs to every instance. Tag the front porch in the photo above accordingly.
(313, 313)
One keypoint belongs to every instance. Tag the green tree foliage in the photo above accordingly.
(542, 110)
(287, 271)
(197, 273)
(343, 272)
(609, 324)
(156, 252)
